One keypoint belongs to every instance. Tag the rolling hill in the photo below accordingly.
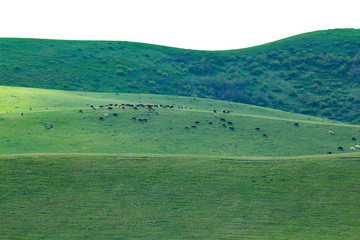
(314, 73)
(66, 173)
(51, 123)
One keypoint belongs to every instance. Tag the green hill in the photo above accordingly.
(314, 73)
(68, 175)
(52, 123)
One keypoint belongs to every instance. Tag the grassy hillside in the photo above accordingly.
(314, 73)
(137, 197)
(54, 125)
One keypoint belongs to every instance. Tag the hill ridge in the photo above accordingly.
(313, 73)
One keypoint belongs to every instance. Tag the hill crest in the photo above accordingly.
(315, 73)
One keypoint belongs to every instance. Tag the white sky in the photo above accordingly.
(193, 24)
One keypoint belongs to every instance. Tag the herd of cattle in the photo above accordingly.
(152, 108)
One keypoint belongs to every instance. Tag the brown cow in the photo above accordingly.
(331, 132)
(186, 127)
(101, 118)
(264, 135)
(80, 111)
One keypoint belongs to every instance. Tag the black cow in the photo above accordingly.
(340, 149)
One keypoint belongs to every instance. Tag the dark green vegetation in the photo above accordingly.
(314, 73)
(137, 197)
(54, 125)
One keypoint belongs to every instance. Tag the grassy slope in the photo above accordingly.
(164, 133)
(315, 73)
(138, 197)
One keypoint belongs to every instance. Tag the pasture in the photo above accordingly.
(66, 174)
(54, 125)
(82, 196)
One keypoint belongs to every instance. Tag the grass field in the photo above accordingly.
(54, 125)
(68, 175)
(178, 197)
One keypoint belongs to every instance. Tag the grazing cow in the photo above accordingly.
(227, 111)
(193, 126)
(231, 128)
(329, 152)
(210, 123)
(224, 125)
(110, 104)
(296, 124)
(352, 149)
(340, 149)
(147, 114)
(214, 110)
(110, 108)
(144, 119)
(264, 135)
(135, 108)
(354, 139)
(257, 129)
(101, 118)
(357, 146)
(197, 122)
(230, 123)
(80, 111)
(93, 108)
(186, 127)
(331, 132)
(101, 106)
(216, 115)
(156, 112)
(106, 114)
(223, 119)
(115, 114)
(140, 119)
(133, 118)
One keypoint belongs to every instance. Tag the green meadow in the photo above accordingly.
(54, 125)
(68, 175)
(67, 196)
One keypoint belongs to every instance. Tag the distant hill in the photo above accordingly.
(315, 73)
